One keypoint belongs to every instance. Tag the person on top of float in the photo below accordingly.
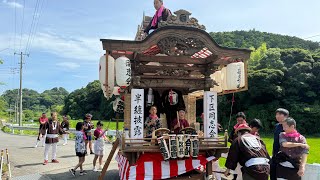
(281, 115)
(241, 119)
(152, 122)
(181, 122)
(292, 158)
(161, 14)
(250, 151)
(255, 126)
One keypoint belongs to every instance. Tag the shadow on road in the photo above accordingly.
(26, 148)
(111, 174)
(67, 156)
(24, 165)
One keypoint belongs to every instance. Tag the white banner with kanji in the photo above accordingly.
(137, 113)
(210, 122)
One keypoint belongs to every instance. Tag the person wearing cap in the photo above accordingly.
(241, 119)
(250, 151)
(281, 115)
(255, 126)
(292, 158)
(42, 133)
(181, 122)
(88, 125)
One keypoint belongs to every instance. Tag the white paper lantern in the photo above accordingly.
(103, 65)
(116, 91)
(123, 71)
(235, 76)
(216, 76)
(118, 105)
(224, 78)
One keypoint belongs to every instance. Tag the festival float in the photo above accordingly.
(172, 67)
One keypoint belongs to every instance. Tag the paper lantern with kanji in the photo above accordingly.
(216, 76)
(106, 78)
(123, 71)
(235, 77)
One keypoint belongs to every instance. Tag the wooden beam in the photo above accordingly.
(149, 68)
(107, 163)
(171, 59)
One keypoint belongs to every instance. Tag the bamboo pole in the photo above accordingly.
(1, 165)
(8, 163)
(107, 163)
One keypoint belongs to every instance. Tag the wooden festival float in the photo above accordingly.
(179, 55)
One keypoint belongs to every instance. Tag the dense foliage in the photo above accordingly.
(253, 38)
(281, 74)
(88, 100)
(35, 103)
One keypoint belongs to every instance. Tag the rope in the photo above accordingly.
(232, 103)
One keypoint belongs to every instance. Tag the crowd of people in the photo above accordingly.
(248, 151)
(51, 128)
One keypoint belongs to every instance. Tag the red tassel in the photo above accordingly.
(171, 97)
(233, 98)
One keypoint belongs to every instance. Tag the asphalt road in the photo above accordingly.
(26, 161)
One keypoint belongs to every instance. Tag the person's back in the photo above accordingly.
(251, 153)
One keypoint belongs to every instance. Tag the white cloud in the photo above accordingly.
(12, 4)
(79, 76)
(68, 65)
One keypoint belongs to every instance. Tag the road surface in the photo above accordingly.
(26, 161)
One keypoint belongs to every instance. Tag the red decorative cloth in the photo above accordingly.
(152, 166)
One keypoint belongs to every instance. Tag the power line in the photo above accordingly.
(312, 36)
(40, 9)
(32, 24)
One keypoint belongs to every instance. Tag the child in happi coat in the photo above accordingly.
(152, 122)
(42, 133)
(181, 122)
(98, 146)
(241, 119)
(80, 149)
(65, 127)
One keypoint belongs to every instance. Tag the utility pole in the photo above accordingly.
(20, 92)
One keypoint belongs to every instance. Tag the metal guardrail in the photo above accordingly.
(71, 130)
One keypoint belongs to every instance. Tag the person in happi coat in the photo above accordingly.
(180, 122)
(65, 126)
(255, 126)
(161, 14)
(250, 151)
(281, 115)
(152, 122)
(292, 158)
(53, 129)
(88, 125)
(42, 134)
(241, 119)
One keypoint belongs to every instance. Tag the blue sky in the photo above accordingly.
(66, 47)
